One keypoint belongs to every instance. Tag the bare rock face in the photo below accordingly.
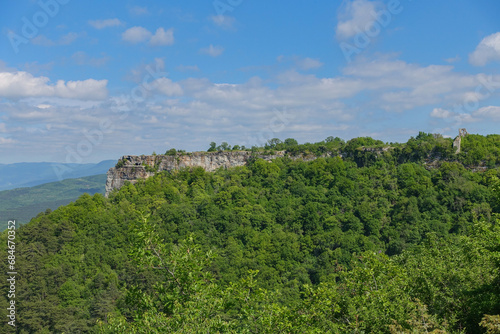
(116, 177)
(133, 168)
(458, 140)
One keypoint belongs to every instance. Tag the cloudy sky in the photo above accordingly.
(84, 81)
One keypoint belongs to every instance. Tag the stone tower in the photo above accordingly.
(458, 140)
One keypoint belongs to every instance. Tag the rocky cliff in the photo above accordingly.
(132, 167)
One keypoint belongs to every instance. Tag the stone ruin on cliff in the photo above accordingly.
(458, 140)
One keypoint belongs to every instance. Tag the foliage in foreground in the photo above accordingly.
(339, 246)
(378, 295)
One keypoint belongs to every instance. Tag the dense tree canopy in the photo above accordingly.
(376, 242)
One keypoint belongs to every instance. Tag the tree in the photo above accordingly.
(213, 147)
(185, 298)
(224, 147)
(172, 151)
(290, 142)
(274, 143)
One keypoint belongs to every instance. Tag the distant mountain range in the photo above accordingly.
(22, 204)
(29, 174)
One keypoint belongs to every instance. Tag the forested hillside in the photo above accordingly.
(23, 204)
(401, 240)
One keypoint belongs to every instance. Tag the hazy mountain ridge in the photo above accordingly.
(30, 174)
(22, 204)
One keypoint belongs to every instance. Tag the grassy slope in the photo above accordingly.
(23, 204)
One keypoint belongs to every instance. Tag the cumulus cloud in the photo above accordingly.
(303, 106)
(101, 24)
(23, 84)
(453, 117)
(357, 16)
(162, 37)
(490, 113)
(402, 86)
(167, 87)
(213, 51)
(487, 51)
(136, 35)
(441, 113)
(139, 34)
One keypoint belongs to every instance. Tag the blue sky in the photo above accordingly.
(94, 80)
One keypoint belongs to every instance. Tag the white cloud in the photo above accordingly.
(213, 51)
(166, 87)
(491, 113)
(487, 51)
(223, 21)
(139, 34)
(136, 35)
(303, 106)
(101, 24)
(6, 141)
(23, 84)
(162, 37)
(309, 63)
(452, 117)
(400, 86)
(441, 113)
(137, 10)
(452, 60)
(356, 17)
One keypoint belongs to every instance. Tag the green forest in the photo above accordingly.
(376, 238)
(25, 203)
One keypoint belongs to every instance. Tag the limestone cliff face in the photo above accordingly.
(133, 167)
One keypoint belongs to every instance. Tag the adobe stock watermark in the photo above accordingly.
(223, 6)
(278, 123)
(93, 138)
(382, 19)
(31, 26)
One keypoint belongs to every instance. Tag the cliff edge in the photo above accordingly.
(133, 167)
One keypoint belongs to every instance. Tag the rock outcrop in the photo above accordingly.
(132, 167)
(457, 143)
